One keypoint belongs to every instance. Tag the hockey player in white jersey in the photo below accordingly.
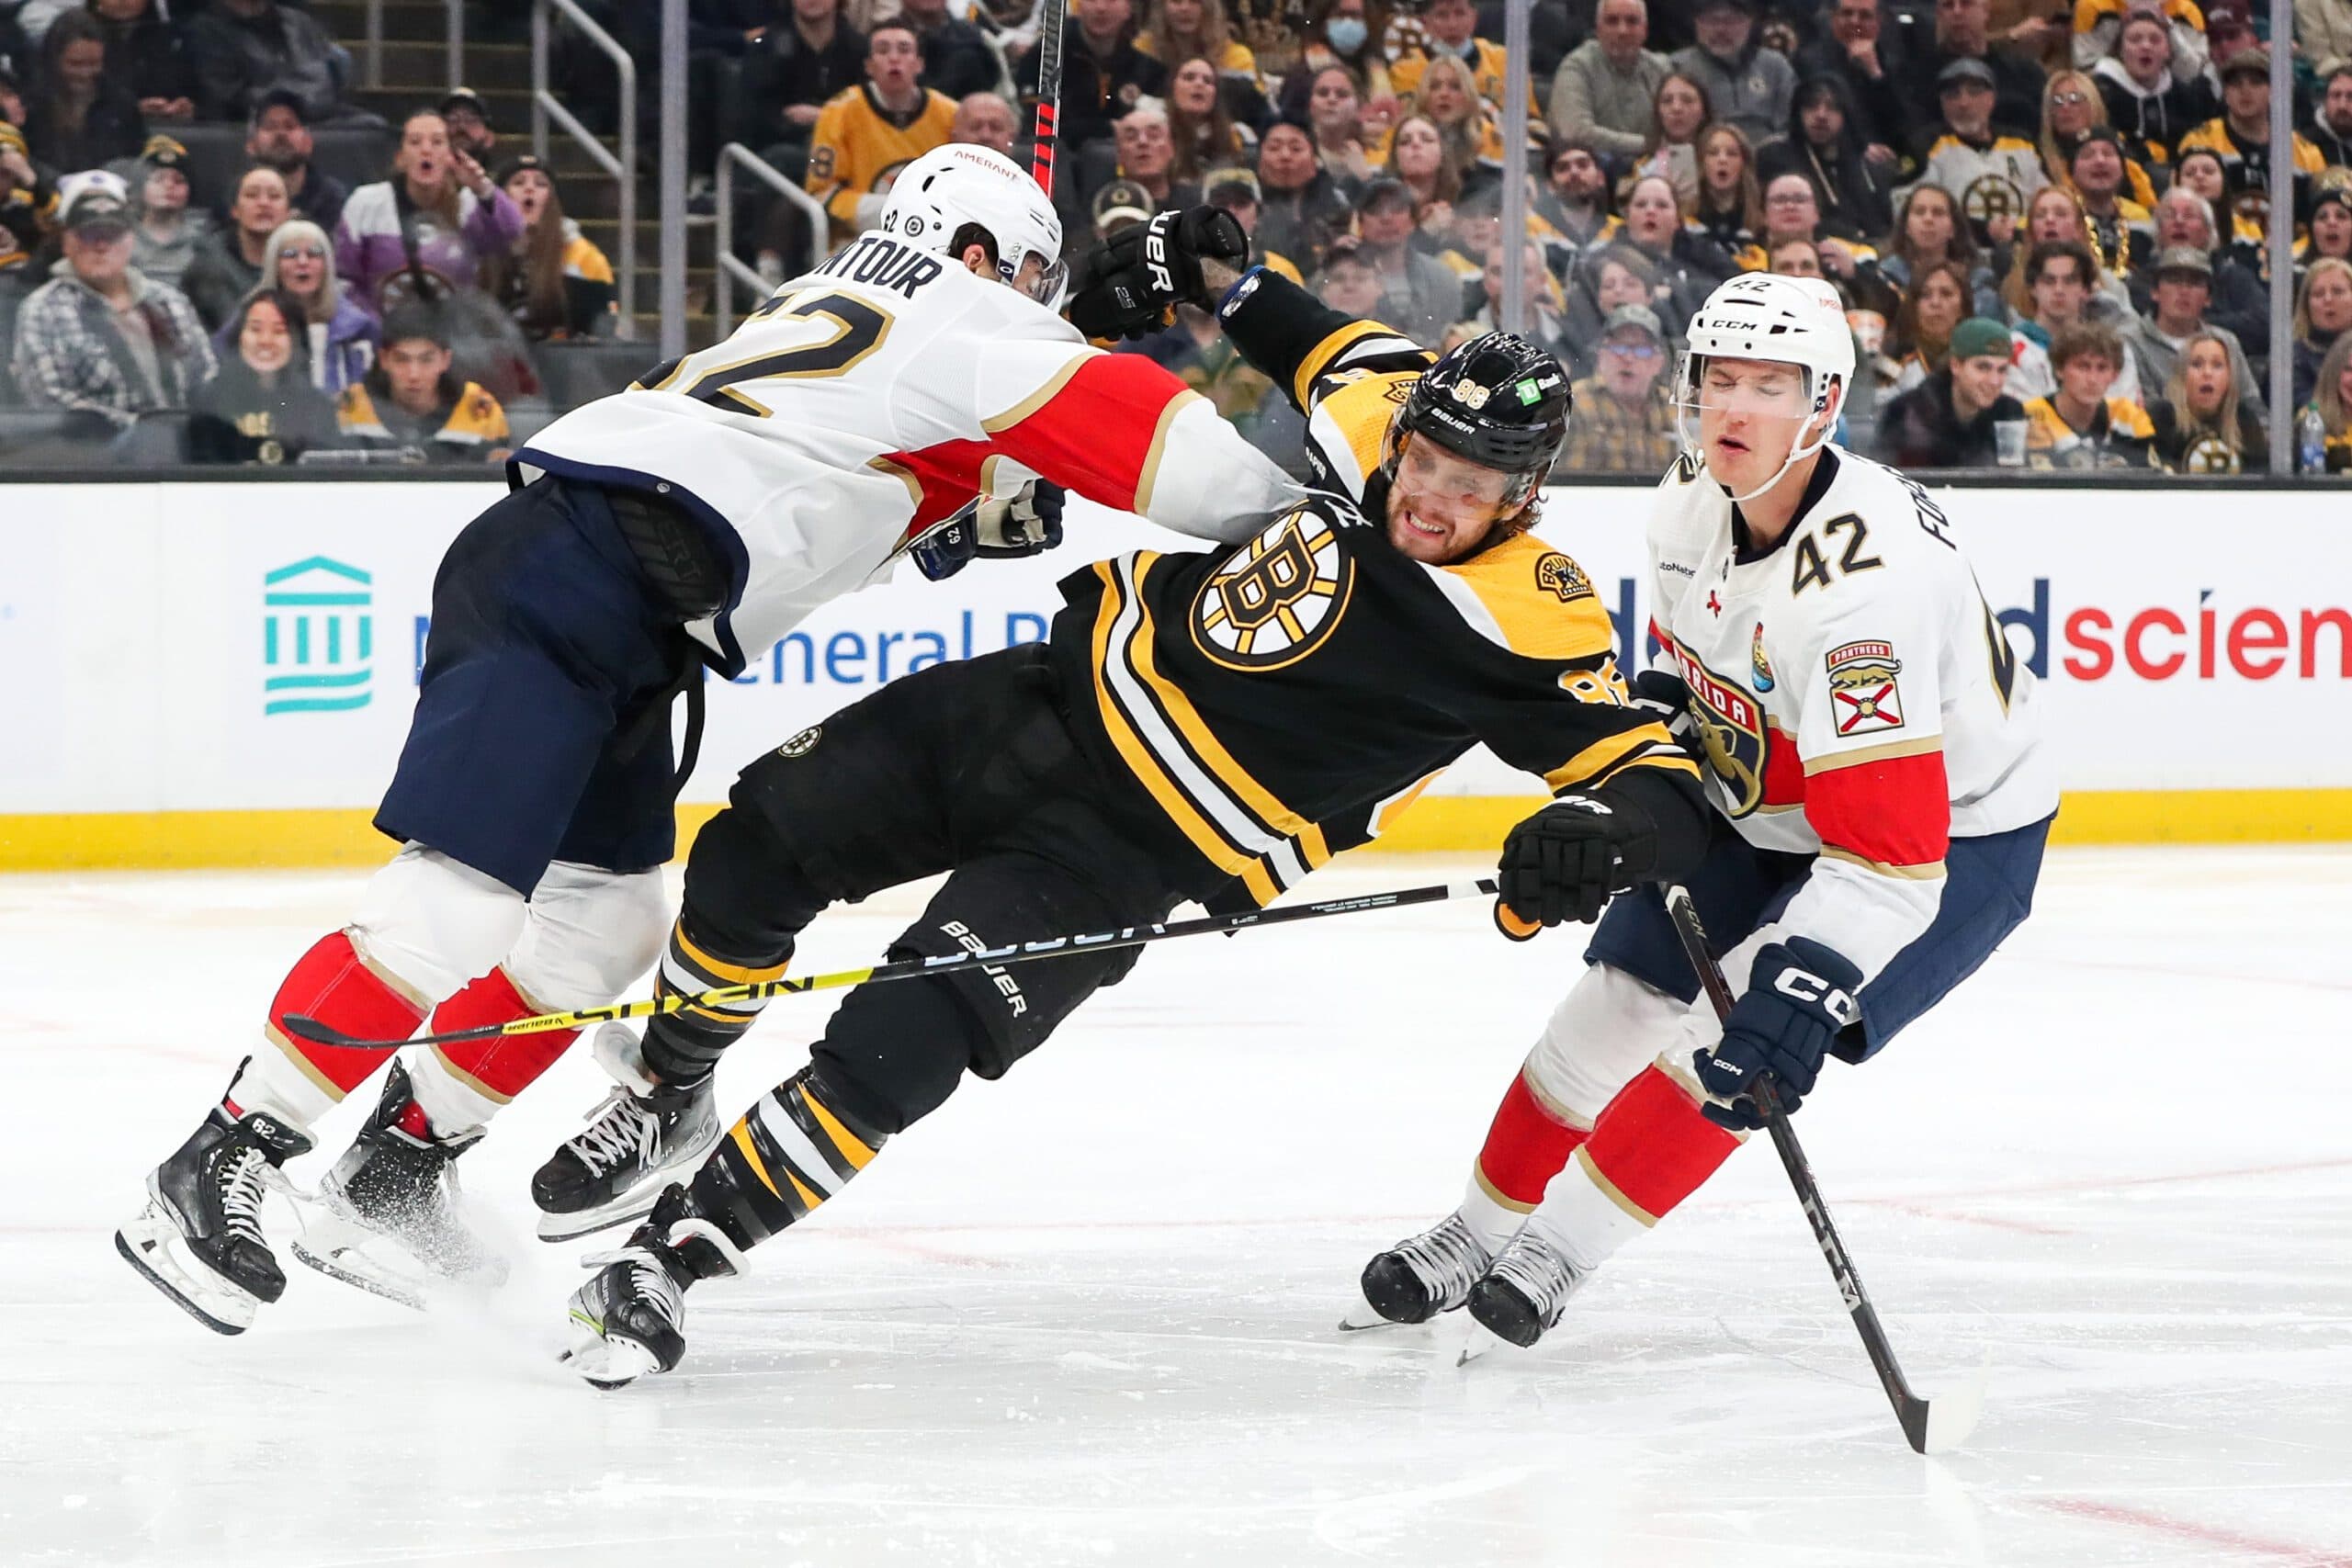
(1884, 794)
(688, 521)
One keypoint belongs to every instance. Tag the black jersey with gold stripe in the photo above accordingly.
(1277, 702)
(1348, 377)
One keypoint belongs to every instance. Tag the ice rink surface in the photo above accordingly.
(1085, 1316)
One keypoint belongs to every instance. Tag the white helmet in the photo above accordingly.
(1785, 320)
(949, 186)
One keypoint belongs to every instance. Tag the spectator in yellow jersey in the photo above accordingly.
(553, 281)
(410, 402)
(1624, 411)
(2079, 425)
(2072, 112)
(2099, 26)
(866, 134)
(2240, 138)
(1451, 26)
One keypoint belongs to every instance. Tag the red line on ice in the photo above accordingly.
(2185, 1529)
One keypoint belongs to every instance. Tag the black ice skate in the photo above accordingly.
(199, 1240)
(1523, 1294)
(397, 1184)
(638, 1141)
(1420, 1276)
(629, 1320)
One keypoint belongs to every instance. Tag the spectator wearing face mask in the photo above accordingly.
(1624, 410)
(2081, 423)
(262, 407)
(1339, 32)
(1945, 421)
(2151, 105)
(99, 340)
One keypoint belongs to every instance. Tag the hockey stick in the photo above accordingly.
(1932, 1428)
(318, 1034)
(1053, 16)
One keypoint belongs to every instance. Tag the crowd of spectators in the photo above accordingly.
(280, 312)
(2047, 219)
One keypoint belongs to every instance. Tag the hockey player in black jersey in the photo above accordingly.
(1208, 726)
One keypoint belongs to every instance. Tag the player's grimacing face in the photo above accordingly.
(1441, 506)
(1751, 414)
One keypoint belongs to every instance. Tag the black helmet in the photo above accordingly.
(1498, 400)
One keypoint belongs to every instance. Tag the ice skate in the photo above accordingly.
(629, 1320)
(389, 1217)
(1520, 1297)
(1419, 1277)
(639, 1139)
(199, 1240)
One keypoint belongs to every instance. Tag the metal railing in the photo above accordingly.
(728, 268)
(546, 105)
(454, 32)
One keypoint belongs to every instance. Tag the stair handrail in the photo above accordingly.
(457, 42)
(727, 267)
(546, 105)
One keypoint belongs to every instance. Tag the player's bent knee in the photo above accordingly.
(1606, 1029)
(589, 934)
(894, 1052)
(432, 923)
(746, 891)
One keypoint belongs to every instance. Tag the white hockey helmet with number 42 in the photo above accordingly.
(1785, 320)
(936, 195)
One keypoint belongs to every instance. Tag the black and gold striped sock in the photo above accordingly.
(683, 1047)
(792, 1150)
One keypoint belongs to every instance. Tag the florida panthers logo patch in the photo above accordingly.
(1863, 695)
(1556, 573)
(1270, 603)
(1730, 731)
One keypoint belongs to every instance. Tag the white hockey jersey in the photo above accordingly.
(1854, 695)
(867, 401)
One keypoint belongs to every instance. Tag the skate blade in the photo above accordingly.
(1364, 1315)
(151, 1255)
(606, 1362)
(351, 1266)
(588, 1222)
(1477, 1342)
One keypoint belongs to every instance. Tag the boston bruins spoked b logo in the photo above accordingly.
(1270, 602)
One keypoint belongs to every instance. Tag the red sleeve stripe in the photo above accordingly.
(1098, 433)
(1893, 814)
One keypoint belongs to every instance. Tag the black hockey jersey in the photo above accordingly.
(1284, 700)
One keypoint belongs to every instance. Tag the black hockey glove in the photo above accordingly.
(1028, 524)
(1563, 863)
(1800, 994)
(950, 548)
(1668, 694)
(1134, 275)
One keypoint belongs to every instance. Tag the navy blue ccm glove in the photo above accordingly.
(1028, 524)
(1800, 994)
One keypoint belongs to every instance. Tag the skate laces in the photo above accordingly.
(1448, 1257)
(1538, 1271)
(624, 1130)
(242, 1176)
(649, 1279)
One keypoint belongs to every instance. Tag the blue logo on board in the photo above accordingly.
(318, 638)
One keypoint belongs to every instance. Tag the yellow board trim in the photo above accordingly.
(215, 841)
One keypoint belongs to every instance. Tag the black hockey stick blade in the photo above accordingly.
(1932, 1427)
